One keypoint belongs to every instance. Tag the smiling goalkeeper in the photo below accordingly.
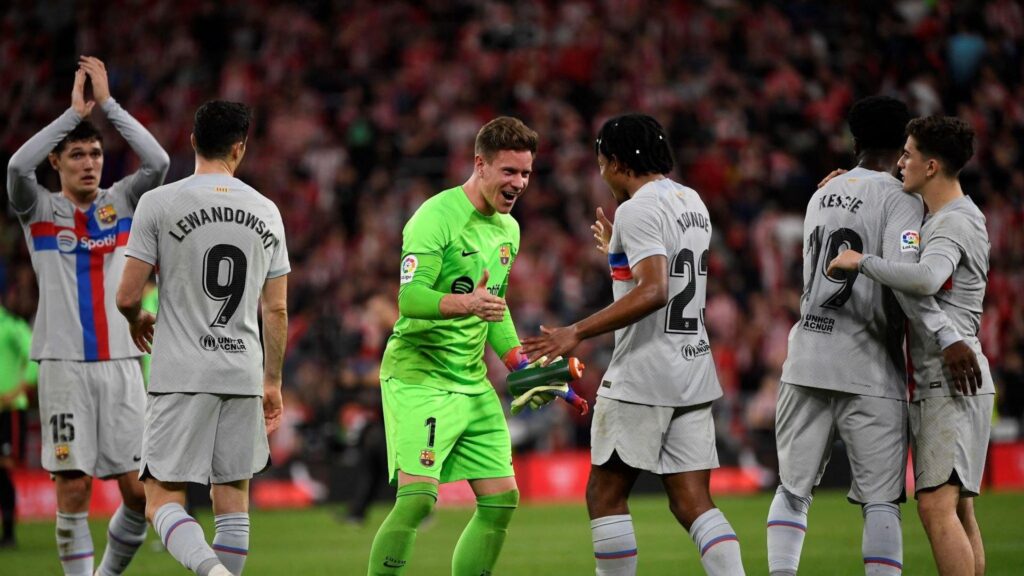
(443, 418)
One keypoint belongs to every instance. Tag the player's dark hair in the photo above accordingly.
(504, 133)
(84, 132)
(878, 123)
(947, 138)
(219, 125)
(637, 141)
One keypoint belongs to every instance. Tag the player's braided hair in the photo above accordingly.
(504, 133)
(219, 125)
(878, 123)
(637, 141)
(84, 132)
(947, 138)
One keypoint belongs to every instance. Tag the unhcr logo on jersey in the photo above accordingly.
(701, 349)
(212, 343)
(208, 342)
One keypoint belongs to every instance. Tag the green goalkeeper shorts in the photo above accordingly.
(445, 435)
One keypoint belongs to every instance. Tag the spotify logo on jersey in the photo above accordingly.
(66, 241)
(462, 285)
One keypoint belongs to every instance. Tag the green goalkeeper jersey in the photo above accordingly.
(15, 365)
(446, 246)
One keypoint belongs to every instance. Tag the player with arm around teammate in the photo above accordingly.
(654, 404)
(214, 393)
(951, 406)
(845, 371)
(91, 395)
(443, 419)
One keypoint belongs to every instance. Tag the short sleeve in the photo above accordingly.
(639, 232)
(143, 241)
(279, 263)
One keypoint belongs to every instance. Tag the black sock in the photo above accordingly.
(7, 503)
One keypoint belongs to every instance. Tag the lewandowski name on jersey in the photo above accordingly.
(202, 216)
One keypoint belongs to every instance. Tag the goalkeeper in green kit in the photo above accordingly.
(444, 420)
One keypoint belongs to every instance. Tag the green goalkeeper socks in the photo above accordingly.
(392, 546)
(481, 541)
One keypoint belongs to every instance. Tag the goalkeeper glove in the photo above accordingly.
(536, 386)
(515, 360)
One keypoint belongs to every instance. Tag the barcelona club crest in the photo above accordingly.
(506, 254)
(61, 451)
(427, 458)
(106, 214)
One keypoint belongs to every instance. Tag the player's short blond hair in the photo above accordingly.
(504, 133)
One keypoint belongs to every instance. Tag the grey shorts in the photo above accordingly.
(91, 415)
(204, 438)
(659, 439)
(950, 434)
(873, 429)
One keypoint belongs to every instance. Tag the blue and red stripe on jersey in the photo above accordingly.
(45, 234)
(91, 246)
(619, 264)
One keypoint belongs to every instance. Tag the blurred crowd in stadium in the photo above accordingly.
(364, 109)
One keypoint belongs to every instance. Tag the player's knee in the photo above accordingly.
(74, 490)
(415, 501)
(796, 503)
(928, 510)
(605, 500)
(686, 510)
(497, 509)
(133, 493)
(134, 498)
(934, 510)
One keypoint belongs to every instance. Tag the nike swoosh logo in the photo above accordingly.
(136, 458)
(389, 564)
(464, 253)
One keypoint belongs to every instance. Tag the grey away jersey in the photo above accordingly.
(78, 255)
(215, 242)
(850, 333)
(956, 232)
(665, 358)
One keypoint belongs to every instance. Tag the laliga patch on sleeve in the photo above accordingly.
(409, 265)
(910, 241)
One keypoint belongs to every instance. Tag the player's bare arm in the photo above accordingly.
(479, 303)
(602, 228)
(129, 302)
(650, 294)
(274, 302)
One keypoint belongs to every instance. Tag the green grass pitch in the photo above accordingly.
(552, 539)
